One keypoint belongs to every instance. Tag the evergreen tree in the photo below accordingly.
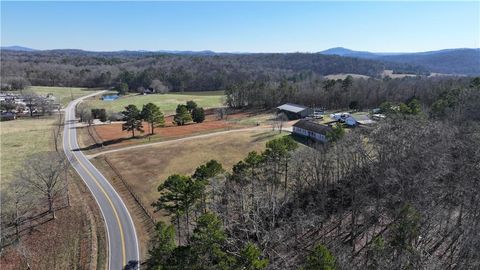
(319, 258)
(202, 174)
(208, 244)
(250, 258)
(414, 106)
(152, 114)
(191, 105)
(198, 115)
(132, 119)
(208, 170)
(182, 115)
(162, 246)
(178, 194)
(122, 88)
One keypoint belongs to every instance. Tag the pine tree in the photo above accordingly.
(182, 115)
(319, 258)
(191, 105)
(132, 119)
(162, 246)
(198, 115)
(152, 114)
(207, 243)
(250, 258)
(178, 194)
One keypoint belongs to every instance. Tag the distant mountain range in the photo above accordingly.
(461, 61)
(450, 61)
(17, 48)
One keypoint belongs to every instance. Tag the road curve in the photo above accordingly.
(123, 251)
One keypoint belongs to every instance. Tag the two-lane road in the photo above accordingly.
(122, 238)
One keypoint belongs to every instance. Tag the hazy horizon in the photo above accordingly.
(232, 52)
(249, 27)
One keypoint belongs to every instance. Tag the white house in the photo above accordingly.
(311, 130)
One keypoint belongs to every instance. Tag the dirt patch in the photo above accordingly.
(112, 134)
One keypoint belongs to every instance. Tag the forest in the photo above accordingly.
(400, 195)
(177, 72)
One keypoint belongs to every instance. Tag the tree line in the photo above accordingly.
(353, 93)
(401, 195)
(163, 72)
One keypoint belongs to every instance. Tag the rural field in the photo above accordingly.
(21, 138)
(63, 94)
(112, 135)
(167, 102)
(155, 163)
(79, 236)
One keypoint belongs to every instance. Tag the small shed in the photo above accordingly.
(294, 111)
(310, 129)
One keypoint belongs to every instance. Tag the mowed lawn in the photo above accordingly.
(63, 94)
(147, 167)
(167, 102)
(21, 138)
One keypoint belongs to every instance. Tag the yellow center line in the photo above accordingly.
(120, 226)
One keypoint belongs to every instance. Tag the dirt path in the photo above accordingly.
(183, 139)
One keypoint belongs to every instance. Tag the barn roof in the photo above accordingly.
(312, 126)
(290, 107)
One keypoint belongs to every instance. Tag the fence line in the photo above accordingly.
(130, 190)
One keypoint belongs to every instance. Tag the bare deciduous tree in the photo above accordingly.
(45, 173)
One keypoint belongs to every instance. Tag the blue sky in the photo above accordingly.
(241, 26)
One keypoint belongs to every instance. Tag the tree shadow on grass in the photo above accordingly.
(111, 142)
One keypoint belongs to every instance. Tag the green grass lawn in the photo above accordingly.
(63, 94)
(21, 138)
(166, 102)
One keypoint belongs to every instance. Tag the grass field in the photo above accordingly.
(20, 138)
(63, 94)
(26, 136)
(146, 168)
(166, 102)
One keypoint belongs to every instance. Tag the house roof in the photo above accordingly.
(363, 119)
(312, 126)
(290, 107)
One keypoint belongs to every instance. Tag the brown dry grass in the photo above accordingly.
(75, 240)
(146, 168)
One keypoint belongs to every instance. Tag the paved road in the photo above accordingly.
(122, 238)
(260, 128)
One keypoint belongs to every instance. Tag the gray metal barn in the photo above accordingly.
(294, 111)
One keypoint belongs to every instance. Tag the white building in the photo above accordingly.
(311, 130)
